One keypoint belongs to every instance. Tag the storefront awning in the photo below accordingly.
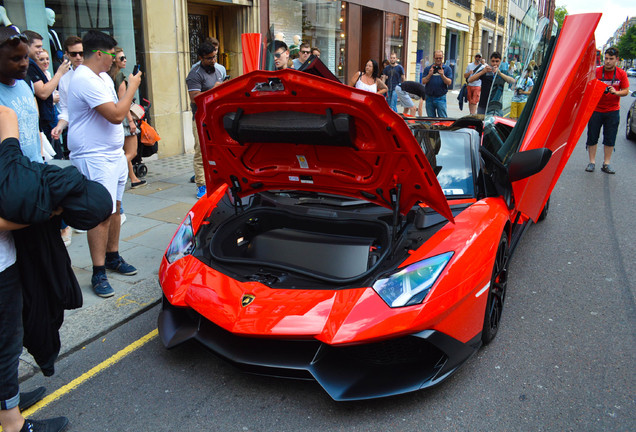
(456, 26)
(425, 16)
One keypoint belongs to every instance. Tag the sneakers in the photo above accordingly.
(590, 167)
(192, 179)
(101, 286)
(121, 266)
(200, 191)
(28, 399)
(123, 218)
(606, 169)
(138, 184)
(56, 424)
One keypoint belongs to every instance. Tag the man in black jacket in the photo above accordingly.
(11, 330)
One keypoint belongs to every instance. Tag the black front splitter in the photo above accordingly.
(347, 373)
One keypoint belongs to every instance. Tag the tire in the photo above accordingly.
(544, 212)
(496, 292)
(628, 130)
(142, 170)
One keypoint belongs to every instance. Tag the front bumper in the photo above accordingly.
(352, 372)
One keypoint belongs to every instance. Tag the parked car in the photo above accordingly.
(342, 243)
(630, 130)
(631, 72)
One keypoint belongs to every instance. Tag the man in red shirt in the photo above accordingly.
(607, 112)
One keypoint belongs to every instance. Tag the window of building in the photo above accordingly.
(426, 31)
(63, 18)
(320, 23)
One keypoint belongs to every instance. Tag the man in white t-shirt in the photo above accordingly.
(96, 140)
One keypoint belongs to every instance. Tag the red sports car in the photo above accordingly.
(340, 242)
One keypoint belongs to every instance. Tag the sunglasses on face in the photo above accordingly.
(277, 55)
(15, 40)
(122, 58)
(76, 53)
(306, 52)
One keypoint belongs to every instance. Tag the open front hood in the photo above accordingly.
(288, 130)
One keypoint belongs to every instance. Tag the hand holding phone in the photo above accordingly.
(135, 69)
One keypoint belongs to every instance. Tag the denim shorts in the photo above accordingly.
(609, 121)
(11, 333)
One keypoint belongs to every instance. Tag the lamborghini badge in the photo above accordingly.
(247, 299)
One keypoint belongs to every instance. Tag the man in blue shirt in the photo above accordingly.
(16, 94)
(437, 78)
(394, 75)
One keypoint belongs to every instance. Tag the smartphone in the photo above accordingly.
(135, 69)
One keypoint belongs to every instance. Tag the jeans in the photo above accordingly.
(392, 99)
(609, 121)
(436, 106)
(11, 333)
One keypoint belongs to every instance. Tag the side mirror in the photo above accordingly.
(527, 163)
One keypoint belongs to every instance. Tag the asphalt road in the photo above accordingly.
(563, 360)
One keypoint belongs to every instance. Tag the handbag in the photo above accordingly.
(137, 111)
(148, 135)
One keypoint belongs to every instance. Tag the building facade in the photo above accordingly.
(163, 35)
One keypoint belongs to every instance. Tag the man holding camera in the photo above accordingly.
(607, 112)
(437, 78)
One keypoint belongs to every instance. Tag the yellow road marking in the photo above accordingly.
(124, 301)
(90, 374)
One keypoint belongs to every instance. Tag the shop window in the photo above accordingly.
(425, 46)
(320, 23)
(395, 30)
(63, 18)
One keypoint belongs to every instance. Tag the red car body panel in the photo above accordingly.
(380, 139)
(452, 313)
(352, 315)
(560, 115)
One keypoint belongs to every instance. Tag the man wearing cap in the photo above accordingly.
(473, 88)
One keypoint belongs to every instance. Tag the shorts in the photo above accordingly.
(127, 128)
(516, 108)
(112, 173)
(473, 94)
(403, 97)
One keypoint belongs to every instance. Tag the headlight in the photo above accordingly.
(411, 285)
(183, 242)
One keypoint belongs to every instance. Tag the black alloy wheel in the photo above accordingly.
(544, 212)
(628, 131)
(496, 292)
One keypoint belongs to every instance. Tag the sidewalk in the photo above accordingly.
(153, 213)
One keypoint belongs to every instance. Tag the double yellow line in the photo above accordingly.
(90, 374)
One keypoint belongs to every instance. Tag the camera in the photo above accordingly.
(436, 68)
(607, 89)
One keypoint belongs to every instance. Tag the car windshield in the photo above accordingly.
(449, 153)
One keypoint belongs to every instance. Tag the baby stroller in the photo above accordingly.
(143, 149)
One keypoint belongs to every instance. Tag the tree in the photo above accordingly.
(559, 15)
(627, 44)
